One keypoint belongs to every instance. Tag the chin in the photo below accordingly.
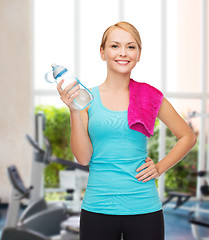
(121, 69)
(124, 71)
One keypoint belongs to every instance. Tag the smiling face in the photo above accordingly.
(121, 51)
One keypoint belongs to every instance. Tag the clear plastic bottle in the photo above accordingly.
(58, 73)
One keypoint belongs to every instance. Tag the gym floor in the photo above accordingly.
(177, 226)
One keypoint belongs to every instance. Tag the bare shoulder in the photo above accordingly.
(167, 114)
(164, 108)
(170, 117)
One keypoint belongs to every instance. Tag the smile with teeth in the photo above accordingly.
(122, 62)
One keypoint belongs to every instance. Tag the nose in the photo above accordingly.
(123, 52)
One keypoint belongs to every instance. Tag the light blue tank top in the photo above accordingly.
(117, 152)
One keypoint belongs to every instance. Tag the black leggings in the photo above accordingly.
(98, 226)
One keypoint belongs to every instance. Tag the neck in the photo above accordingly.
(116, 81)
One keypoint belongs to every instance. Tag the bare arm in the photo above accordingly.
(186, 141)
(80, 142)
(185, 135)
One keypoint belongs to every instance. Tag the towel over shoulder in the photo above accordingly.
(144, 104)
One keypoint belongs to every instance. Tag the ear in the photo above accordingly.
(102, 54)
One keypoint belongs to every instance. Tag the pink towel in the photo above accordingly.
(144, 104)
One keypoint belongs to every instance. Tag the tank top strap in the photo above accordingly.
(95, 103)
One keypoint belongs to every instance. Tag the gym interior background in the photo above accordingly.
(34, 34)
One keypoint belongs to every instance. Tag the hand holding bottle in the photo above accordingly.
(69, 94)
(80, 100)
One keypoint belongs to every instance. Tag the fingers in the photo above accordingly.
(149, 172)
(148, 176)
(71, 88)
(59, 86)
(68, 98)
(65, 91)
(147, 160)
(73, 96)
(70, 93)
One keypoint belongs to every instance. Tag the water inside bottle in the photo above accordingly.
(83, 98)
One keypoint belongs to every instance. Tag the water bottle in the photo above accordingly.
(58, 73)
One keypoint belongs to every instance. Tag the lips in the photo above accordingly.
(122, 62)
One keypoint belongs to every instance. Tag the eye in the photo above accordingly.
(131, 47)
(114, 46)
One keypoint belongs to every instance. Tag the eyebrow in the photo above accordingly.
(127, 43)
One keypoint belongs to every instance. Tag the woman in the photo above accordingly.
(121, 195)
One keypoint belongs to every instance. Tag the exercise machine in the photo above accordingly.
(181, 198)
(77, 175)
(43, 225)
(72, 181)
(40, 220)
(198, 216)
(197, 219)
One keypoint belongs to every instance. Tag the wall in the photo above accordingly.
(16, 90)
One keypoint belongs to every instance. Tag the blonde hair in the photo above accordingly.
(125, 26)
